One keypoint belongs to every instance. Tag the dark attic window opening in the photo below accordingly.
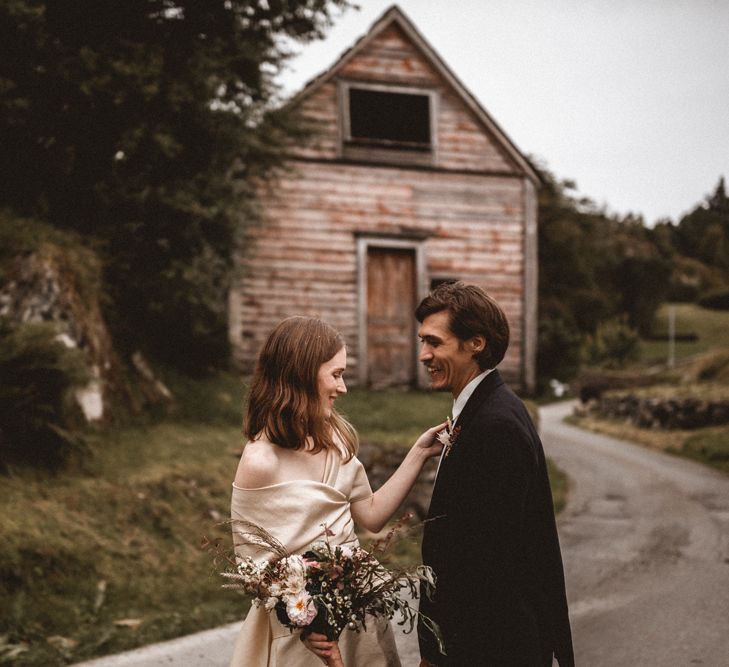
(398, 120)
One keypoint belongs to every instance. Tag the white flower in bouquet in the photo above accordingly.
(295, 569)
(300, 609)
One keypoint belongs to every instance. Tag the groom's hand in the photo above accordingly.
(424, 663)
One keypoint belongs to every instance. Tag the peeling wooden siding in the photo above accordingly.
(303, 259)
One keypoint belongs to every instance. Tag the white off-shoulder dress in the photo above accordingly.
(295, 513)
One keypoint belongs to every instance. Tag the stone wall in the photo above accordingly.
(665, 413)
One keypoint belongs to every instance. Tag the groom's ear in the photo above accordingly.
(476, 345)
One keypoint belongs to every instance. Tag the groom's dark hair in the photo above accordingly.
(471, 312)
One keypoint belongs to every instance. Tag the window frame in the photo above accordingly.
(385, 150)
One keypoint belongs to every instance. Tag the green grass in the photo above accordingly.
(106, 556)
(703, 391)
(711, 327)
(394, 418)
(710, 446)
(119, 537)
(560, 486)
(134, 524)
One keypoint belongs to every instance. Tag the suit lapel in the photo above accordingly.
(480, 394)
(475, 401)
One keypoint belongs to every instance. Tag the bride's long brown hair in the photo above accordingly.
(284, 403)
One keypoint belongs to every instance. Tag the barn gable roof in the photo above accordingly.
(395, 16)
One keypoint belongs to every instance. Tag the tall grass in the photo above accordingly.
(82, 553)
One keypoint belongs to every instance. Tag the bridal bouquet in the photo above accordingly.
(327, 588)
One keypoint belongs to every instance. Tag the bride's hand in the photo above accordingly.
(429, 441)
(324, 649)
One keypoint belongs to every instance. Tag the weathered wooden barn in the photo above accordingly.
(406, 183)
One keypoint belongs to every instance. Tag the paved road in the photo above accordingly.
(213, 648)
(645, 539)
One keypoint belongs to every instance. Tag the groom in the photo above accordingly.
(490, 536)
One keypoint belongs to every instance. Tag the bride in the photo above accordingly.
(299, 473)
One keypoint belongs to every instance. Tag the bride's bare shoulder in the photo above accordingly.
(258, 466)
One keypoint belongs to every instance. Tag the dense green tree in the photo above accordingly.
(143, 125)
(703, 234)
(593, 268)
(641, 278)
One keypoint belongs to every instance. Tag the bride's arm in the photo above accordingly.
(374, 512)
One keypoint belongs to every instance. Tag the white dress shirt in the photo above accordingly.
(460, 402)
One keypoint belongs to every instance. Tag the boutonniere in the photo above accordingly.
(448, 436)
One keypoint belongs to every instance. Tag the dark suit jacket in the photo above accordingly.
(492, 541)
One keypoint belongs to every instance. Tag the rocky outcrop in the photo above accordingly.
(60, 285)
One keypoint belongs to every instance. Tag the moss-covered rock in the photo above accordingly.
(55, 345)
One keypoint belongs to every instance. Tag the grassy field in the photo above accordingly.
(702, 372)
(711, 327)
(107, 557)
(394, 418)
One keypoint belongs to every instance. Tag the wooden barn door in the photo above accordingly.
(391, 294)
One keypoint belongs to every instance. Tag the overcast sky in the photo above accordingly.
(629, 98)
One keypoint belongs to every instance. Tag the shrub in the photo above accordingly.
(37, 410)
(682, 293)
(691, 278)
(716, 300)
(558, 350)
(613, 345)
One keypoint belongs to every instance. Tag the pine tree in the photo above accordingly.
(718, 202)
(703, 234)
